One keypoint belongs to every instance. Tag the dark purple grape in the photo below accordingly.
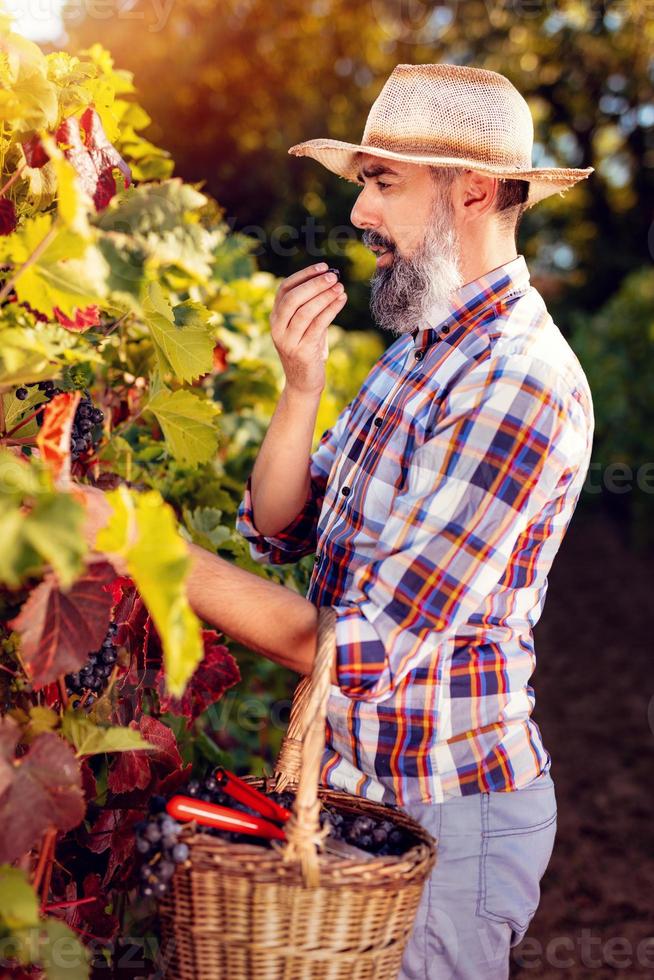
(22, 394)
(152, 833)
(166, 870)
(180, 853)
(95, 673)
(157, 804)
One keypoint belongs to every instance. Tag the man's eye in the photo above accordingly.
(382, 185)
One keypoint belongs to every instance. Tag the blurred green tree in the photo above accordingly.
(230, 87)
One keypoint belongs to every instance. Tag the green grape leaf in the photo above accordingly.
(157, 561)
(206, 526)
(29, 99)
(50, 531)
(19, 905)
(188, 424)
(61, 954)
(181, 335)
(33, 353)
(68, 271)
(162, 224)
(90, 739)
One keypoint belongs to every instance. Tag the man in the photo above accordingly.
(435, 504)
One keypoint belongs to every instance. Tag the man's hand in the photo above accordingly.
(305, 305)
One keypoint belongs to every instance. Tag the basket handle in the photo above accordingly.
(301, 753)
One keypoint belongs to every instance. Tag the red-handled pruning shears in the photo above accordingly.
(187, 808)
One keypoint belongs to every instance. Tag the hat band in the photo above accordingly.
(420, 145)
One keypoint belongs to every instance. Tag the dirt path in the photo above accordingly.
(594, 684)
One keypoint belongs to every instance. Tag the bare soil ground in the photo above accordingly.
(595, 707)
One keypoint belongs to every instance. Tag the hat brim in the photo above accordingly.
(339, 157)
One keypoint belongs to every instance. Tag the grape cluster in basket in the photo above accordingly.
(158, 837)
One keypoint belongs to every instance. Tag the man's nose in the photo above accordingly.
(363, 214)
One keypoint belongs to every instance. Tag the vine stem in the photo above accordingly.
(62, 692)
(45, 891)
(69, 905)
(28, 418)
(36, 254)
(16, 174)
(46, 846)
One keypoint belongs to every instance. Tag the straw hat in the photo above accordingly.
(448, 115)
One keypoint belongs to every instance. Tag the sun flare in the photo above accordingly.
(39, 20)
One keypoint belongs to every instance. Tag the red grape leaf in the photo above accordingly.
(173, 782)
(9, 735)
(214, 674)
(129, 772)
(35, 152)
(114, 830)
(84, 318)
(45, 791)
(91, 915)
(89, 784)
(58, 630)
(54, 435)
(119, 588)
(8, 220)
(163, 738)
(93, 156)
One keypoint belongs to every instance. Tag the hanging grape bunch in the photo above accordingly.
(88, 683)
(157, 838)
(85, 435)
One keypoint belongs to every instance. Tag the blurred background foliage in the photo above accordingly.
(231, 86)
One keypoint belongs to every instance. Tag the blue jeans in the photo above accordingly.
(492, 851)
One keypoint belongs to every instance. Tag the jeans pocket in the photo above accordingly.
(517, 842)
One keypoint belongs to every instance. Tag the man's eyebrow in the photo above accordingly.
(375, 169)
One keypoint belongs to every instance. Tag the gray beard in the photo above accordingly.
(404, 292)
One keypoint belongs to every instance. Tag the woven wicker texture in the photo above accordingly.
(242, 912)
(448, 115)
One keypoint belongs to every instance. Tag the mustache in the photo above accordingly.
(370, 240)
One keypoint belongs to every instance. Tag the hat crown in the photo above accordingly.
(452, 111)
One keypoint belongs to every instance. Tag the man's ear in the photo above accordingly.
(476, 193)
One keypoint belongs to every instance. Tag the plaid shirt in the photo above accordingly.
(438, 501)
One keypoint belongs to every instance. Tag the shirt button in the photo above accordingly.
(377, 422)
(345, 491)
(419, 355)
(445, 329)
(317, 556)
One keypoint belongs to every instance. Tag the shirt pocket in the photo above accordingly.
(518, 831)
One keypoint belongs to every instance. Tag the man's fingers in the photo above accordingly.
(308, 312)
(291, 301)
(302, 275)
(323, 320)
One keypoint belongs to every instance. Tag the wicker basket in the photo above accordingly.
(294, 912)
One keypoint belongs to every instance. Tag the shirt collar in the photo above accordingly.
(494, 288)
